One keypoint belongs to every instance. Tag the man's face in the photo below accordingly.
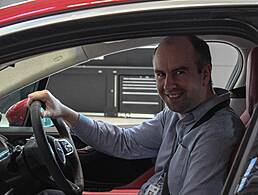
(179, 83)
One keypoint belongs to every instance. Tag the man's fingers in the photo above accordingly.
(48, 99)
(46, 114)
(38, 95)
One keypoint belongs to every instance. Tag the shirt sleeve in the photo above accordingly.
(208, 165)
(141, 141)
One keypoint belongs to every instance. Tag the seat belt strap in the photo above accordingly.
(239, 92)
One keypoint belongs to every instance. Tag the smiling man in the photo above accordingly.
(183, 75)
(192, 139)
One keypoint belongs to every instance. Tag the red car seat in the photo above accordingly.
(251, 85)
(251, 101)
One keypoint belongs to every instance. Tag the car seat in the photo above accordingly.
(246, 116)
(251, 85)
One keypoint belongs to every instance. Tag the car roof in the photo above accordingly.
(30, 9)
(34, 8)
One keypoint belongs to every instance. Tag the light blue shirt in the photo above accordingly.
(200, 164)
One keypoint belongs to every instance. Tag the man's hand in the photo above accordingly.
(54, 108)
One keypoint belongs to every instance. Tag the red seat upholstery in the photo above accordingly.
(251, 100)
(251, 85)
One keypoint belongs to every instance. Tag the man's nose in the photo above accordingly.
(169, 83)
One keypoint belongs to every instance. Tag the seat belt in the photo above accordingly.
(239, 92)
(206, 117)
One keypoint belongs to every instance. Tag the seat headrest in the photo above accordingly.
(252, 80)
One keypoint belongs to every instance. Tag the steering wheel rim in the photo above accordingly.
(68, 187)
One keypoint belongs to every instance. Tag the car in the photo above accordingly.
(96, 57)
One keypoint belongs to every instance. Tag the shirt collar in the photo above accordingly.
(195, 115)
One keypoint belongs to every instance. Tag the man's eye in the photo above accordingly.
(160, 75)
(179, 72)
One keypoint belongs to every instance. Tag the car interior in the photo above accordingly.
(102, 172)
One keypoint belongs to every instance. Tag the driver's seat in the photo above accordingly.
(251, 101)
(251, 85)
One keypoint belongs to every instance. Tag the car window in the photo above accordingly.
(224, 60)
(120, 88)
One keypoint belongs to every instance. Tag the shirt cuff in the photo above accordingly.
(83, 126)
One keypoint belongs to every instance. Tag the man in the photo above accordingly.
(192, 138)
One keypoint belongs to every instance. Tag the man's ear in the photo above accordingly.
(206, 76)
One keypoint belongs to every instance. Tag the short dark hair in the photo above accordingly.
(202, 50)
(203, 54)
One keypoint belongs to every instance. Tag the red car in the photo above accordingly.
(96, 57)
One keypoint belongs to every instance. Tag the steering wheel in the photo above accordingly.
(55, 155)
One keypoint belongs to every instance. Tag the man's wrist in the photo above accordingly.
(70, 116)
